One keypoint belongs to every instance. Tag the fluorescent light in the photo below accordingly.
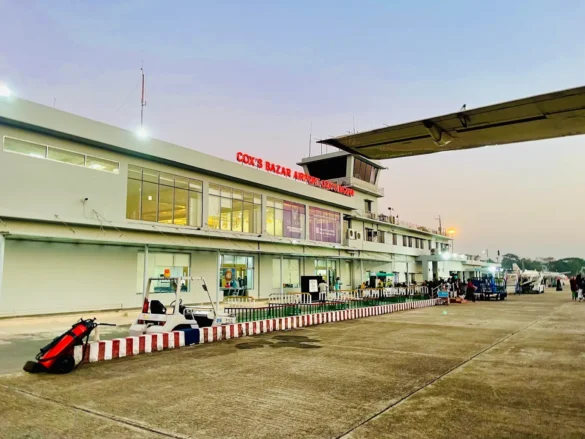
(5, 92)
(97, 166)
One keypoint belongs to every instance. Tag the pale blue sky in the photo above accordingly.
(252, 75)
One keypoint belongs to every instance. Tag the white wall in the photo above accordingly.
(42, 277)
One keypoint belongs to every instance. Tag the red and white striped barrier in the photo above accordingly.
(130, 346)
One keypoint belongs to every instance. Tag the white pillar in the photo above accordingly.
(281, 283)
(2, 251)
(217, 280)
(361, 271)
(145, 272)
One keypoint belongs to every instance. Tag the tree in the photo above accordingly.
(508, 259)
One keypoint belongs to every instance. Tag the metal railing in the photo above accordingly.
(293, 304)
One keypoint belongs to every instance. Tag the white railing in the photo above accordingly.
(239, 302)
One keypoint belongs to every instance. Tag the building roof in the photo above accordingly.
(39, 118)
(539, 117)
(317, 158)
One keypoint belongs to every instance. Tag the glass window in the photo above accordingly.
(226, 214)
(237, 217)
(285, 218)
(356, 167)
(177, 264)
(149, 201)
(196, 185)
(237, 210)
(325, 225)
(291, 274)
(163, 197)
(166, 179)
(394, 239)
(150, 175)
(405, 240)
(60, 155)
(236, 272)
(102, 164)
(134, 172)
(180, 206)
(181, 182)
(195, 208)
(248, 218)
(23, 147)
(214, 212)
(213, 189)
(133, 199)
(226, 192)
(165, 205)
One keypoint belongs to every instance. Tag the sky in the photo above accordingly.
(261, 76)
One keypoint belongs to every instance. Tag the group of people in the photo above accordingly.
(577, 286)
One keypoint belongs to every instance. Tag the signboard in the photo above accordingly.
(259, 163)
(294, 217)
(313, 286)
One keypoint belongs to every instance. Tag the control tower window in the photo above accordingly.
(364, 171)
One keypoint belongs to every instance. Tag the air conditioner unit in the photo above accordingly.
(358, 235)
(350, 234)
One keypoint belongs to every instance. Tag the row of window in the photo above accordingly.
(166, 198)
(372, 235)
(234, 210)
(364, 171)
(52, 153)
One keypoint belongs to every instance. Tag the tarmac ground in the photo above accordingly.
(500, 369)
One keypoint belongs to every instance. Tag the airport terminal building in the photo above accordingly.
(88, 211)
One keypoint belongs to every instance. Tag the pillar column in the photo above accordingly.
(2, 252)
(144, 273)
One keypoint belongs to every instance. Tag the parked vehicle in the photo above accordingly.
(158, 318)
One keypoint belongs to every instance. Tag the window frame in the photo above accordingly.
(56, 148)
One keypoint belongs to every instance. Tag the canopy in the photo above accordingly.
(545, 116)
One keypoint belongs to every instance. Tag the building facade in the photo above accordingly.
(88, 211)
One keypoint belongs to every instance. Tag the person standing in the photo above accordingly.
(470, 291)
(580, 285)
(573, 284)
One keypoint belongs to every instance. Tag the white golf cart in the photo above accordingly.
(157, 318)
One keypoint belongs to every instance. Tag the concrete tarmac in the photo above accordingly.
(511, 369)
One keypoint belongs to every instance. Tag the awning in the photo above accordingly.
(545, 116)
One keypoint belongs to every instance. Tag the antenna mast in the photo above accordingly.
(142, 101)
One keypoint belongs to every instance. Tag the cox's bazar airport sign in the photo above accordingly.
(256, 162)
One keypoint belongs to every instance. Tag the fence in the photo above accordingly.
(288, 305)
(240, 301)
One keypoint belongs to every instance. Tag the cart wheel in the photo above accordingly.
(65, 364)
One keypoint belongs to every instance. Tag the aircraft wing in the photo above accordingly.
(539, 117)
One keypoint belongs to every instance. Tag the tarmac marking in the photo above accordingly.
(128, 423)
(375, 416)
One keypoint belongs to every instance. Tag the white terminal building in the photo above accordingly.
(89, 210)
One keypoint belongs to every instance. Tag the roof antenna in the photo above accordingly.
(310, 137)
(142, 101)
(353, 117)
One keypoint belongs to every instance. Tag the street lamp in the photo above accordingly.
(5, 91)
(142, 133)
